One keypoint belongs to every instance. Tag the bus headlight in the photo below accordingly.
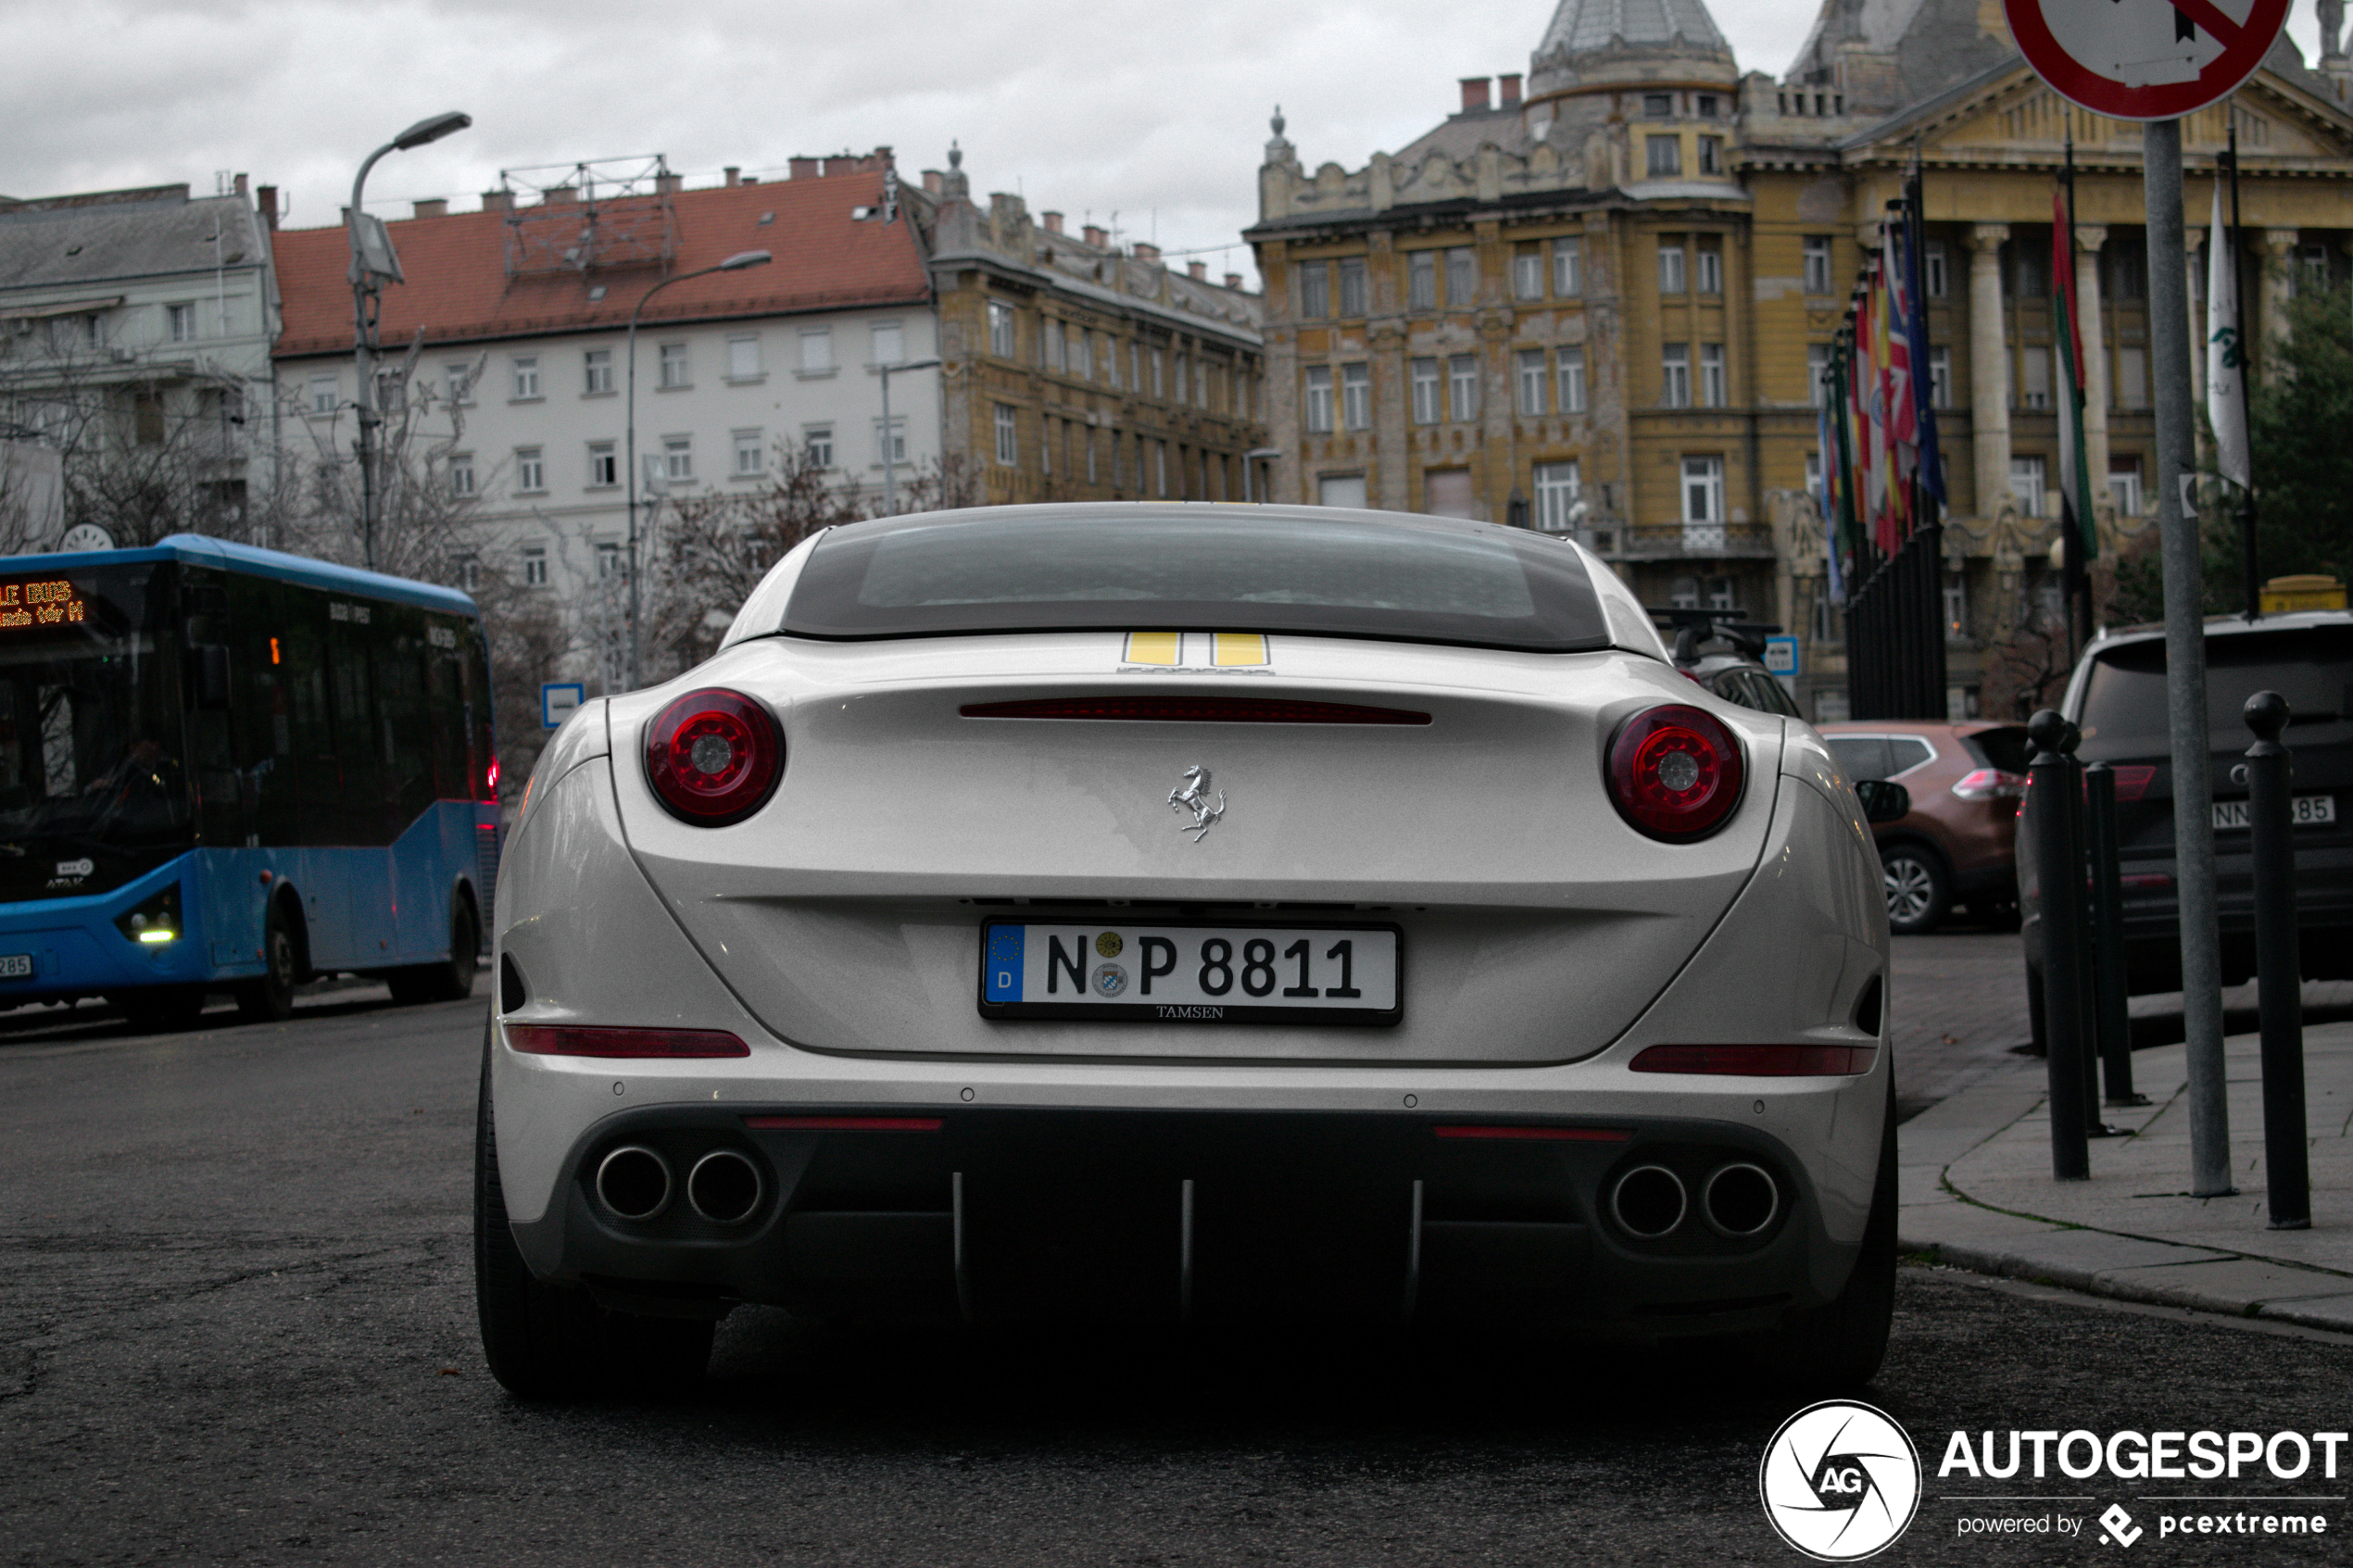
(155, 920)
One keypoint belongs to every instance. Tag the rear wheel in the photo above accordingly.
(1918, 893)
(1839, 1345)
(547, 1341)
(270, 998)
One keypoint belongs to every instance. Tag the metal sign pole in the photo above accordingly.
(2185, 662)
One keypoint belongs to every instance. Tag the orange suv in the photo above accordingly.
(1956, 845)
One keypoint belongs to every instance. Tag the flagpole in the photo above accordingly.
(2252, 567)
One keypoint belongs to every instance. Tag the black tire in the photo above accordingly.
(1920, 893)
(547, 1341)
(1839, 1346)
(270, 998)
(452, 979)
(160, 1009)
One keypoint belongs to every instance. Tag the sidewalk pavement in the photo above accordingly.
(1977, 1190)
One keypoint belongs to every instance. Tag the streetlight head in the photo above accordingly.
(744, 258)
(432, 130)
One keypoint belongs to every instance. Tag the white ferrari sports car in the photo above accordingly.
(1186, 912)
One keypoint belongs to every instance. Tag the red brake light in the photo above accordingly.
(1757, 1062)
(714, 756)
(1675, 772)
(491, 778)
(2133, 780)
(578, 1039)
(1990, 783)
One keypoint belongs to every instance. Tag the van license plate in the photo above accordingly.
(2304, 811)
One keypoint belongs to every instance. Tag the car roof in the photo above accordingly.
(2233, 625)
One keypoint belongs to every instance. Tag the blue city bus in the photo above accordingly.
(226, 769)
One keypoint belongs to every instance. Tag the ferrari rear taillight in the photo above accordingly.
(714, 756)
(1675, 772)
(1990, 783)
(601, 1040)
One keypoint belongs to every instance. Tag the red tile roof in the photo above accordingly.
(459, 291)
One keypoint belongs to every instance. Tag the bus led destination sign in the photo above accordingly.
(40, 603)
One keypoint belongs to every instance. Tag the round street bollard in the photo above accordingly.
(2287, 1170)
(2058, 867)
(2110, 1001)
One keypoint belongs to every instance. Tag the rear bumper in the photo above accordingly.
(1139, 1215)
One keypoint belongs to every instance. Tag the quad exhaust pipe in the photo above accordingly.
(1737, 1201)
(634, 1182)
(723, 1187)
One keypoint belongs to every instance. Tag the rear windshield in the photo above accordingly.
(2005, 748)
(2312, 667)
(1079, 568)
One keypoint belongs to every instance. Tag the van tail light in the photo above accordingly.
(714, 756)
(1757, 1062)
(1675, 772)
(1990, 783)
(2133, 780)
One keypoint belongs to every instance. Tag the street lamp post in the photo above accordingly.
(735, 263)
(889, 447)
(368, 270)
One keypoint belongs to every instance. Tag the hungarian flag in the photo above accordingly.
(2075, 484)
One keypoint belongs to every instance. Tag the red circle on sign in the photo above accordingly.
(2244, 44)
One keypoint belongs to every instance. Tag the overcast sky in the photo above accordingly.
(1156, 113)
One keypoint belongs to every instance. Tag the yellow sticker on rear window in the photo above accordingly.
(1154, 648)
(1239, 648)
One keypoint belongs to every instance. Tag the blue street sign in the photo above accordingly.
(1780, 655)
(557, 699)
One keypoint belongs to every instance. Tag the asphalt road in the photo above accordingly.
(236, 1325)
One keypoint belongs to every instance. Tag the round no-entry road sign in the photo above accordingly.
(2144, 59)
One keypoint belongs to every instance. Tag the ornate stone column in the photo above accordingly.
(2092, 328)
(2279, 287)
(1988, 368)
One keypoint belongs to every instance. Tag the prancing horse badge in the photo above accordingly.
(1193, 796)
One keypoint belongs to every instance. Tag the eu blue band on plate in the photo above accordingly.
(1004, 963)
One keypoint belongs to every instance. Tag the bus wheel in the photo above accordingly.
(270, 998)
(452, 979)
(156, 1010)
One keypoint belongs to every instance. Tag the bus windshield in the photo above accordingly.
(93, 784)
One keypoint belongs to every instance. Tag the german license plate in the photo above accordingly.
(2304, 811)
(1166, 973)
(15, 966)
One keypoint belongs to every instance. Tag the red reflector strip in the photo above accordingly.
(1758, 1061)
(2133, 780)
(843, 1123)
(2143, 880)
(1194, 710)
(575, 1039)
(1542, 1134)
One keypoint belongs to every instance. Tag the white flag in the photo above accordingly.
(2225, 354)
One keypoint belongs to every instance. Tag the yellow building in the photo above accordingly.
(1599, 302)
(1078, 368)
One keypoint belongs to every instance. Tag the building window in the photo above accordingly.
(526, 377)
(1356, 396)
(1135, 370)
(2125, 483)
(1319, 399)
(1720, 594)
(323, 394)
(1933, 264)
(1051, 345)
(1704, 490)
(1956, 607)
(461, 474)
(1159, 361)
(1160, 466)
(597, 371)
(2132, 378)
(1818, 264)
(889, 341)
(1421, 279)
(1462, 277)
(392, 392)
(469, 573)
(1426, 392)
(1315, 289)
(2034, 377)
(1665, 154)
(608, 560)
(1531, 381)
(1713, 392)
(180, 322)
(1706, 106)
(604, 468)
(816, 351)
(1351, 286)
(2031, 271)
(2128, 273)
(1556, 488)
(534, 565)
(890, 446)
(1711, 270)
(1940, 377)
(1711, 155)
(1683, 593)
(817, 443)
(749, 458)
(673, 365)
(1461, 386)
(1001, 342)
(1675, 375)
(2026, 483)
(1657, 106)
(1572, 379)
(531, 471)
(457, 382)
(1008, 446)
(1829, 623)
(1670, 267)
(678, 458)
(1527, 273)
(1568, 269)
(743, 356)
(1448, 493)
(1817, 369)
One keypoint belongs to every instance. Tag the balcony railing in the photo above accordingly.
(1676, 539)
